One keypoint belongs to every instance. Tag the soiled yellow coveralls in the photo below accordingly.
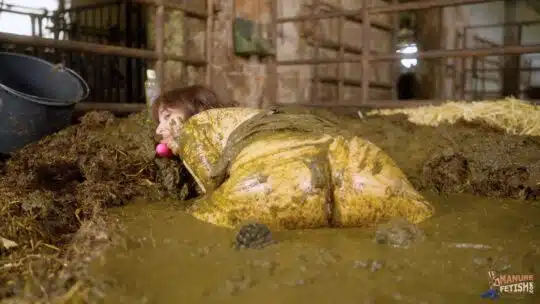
(256, 166)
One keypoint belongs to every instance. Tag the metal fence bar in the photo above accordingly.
(504, 24)
(504, 50)
(89, 6)
(419, 5)
(422, 5)
(117, 108)
(158, 54)
(126, 108)
(176, 6)
(95, 48)
(373, 104)
(115, 50)
(523, 69)
(367, 57)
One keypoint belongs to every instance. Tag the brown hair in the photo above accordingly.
(191, 100)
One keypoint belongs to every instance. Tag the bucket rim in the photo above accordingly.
(48, 101)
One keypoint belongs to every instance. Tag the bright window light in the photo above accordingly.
(409, 63)
(408, 49)
(21, 24)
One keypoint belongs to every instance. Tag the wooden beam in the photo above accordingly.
(115, 108)
(510, 83)
(93, 48)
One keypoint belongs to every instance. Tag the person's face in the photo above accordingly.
(170, 126)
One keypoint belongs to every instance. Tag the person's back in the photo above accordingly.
(284, 168)
(292, 171)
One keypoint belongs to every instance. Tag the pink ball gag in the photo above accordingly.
(163, 151)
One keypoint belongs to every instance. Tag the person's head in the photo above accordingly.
(174, 107)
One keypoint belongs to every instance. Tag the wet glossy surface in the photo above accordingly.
(172, 258)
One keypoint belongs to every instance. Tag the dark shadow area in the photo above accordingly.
(408, 86)
(532, 93)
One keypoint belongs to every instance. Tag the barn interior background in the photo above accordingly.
(286, 51)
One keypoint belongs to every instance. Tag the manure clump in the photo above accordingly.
(53, 193)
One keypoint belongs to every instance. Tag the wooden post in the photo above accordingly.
(454, 69)
(315, 84)
(209, 39)
(429, 38)
(510, 83)
(395, 64)
(272, 76)
(160, 46)
(463, 61)
(440, 84)
(474, 78)
(341, 65)
(366, 50)
(484, 77)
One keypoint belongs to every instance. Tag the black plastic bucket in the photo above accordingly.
(37, 99)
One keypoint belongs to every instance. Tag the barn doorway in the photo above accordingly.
(408, 86)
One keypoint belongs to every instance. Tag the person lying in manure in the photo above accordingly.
(288, 169)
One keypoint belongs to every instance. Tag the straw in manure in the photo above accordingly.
(511, 115)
